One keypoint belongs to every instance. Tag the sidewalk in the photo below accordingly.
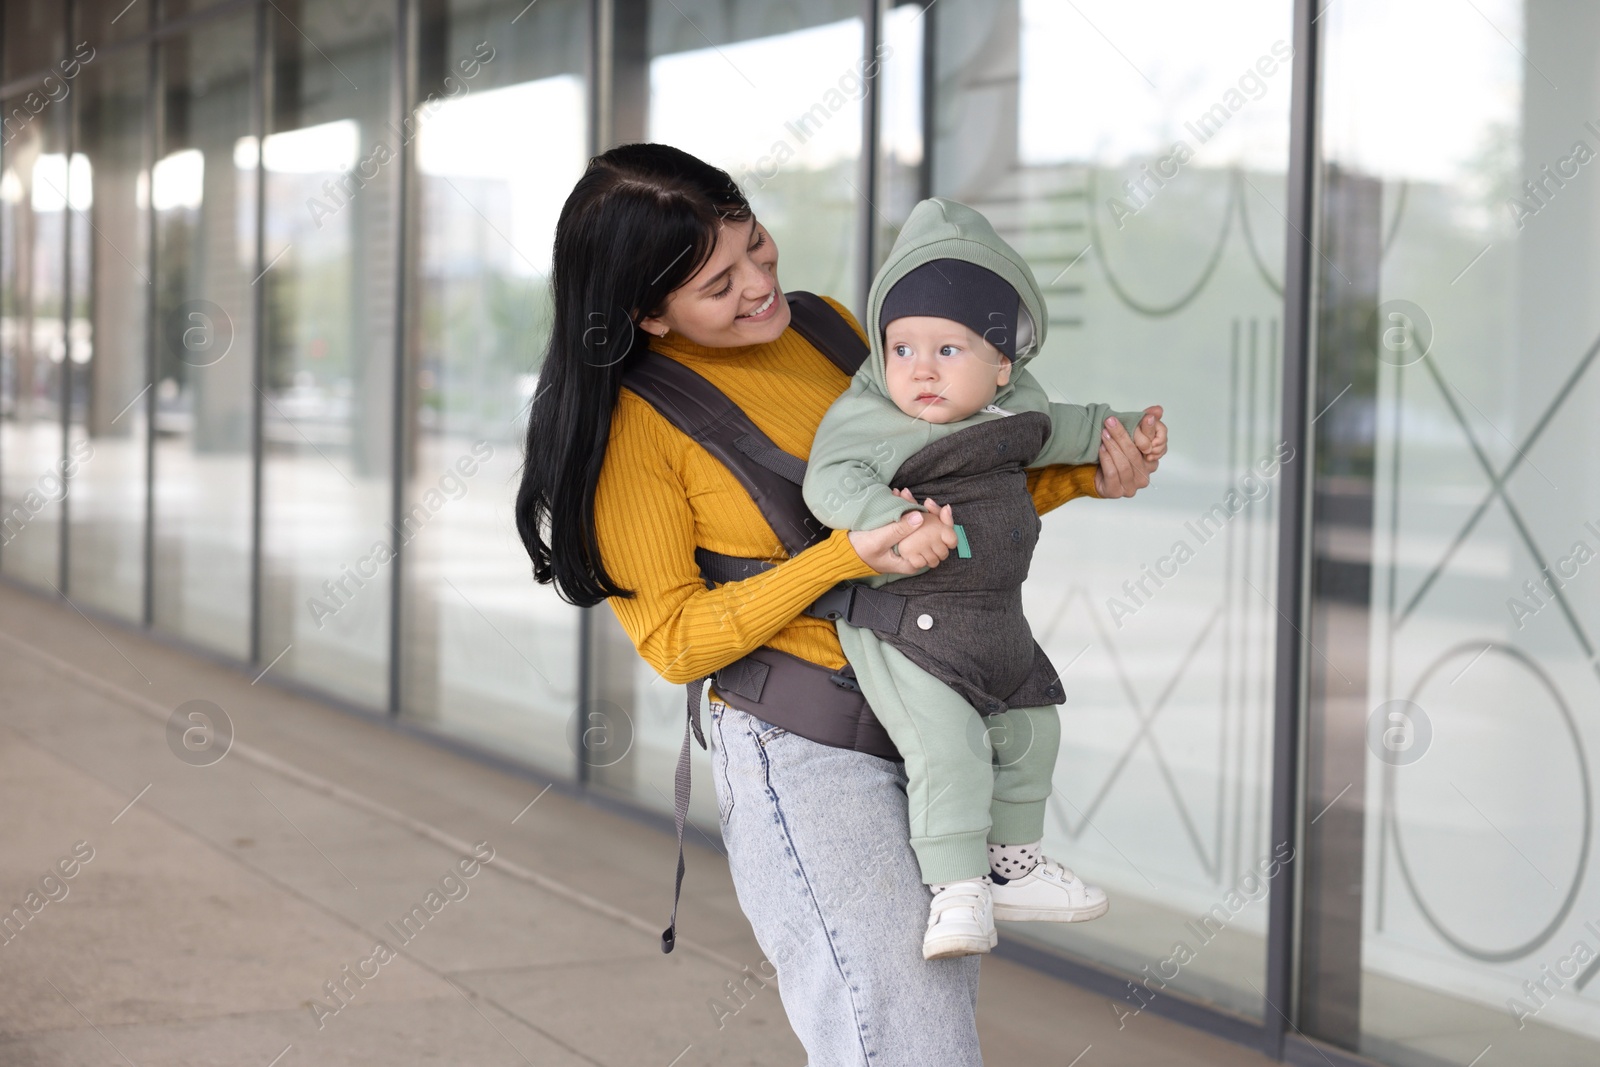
(210, 910)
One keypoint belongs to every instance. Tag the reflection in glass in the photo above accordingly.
(104, 22)
(901, 155)
(109, 414)
(33, 37)
(1145, 188)
(201, 204)
(488, 654)
(327, 414)
(33, 348)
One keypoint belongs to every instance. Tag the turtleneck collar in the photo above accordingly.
(681, 348)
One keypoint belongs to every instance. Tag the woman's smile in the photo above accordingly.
(763, 311)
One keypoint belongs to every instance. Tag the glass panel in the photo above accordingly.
(202, 196)
(1152, 218)
(104, 22)
(900, 87)
(328, 420)
(109, 414)
(171, 10)
(771, 94)
(33, 350)
(1460, 163)
(34, 37)
(487, 653)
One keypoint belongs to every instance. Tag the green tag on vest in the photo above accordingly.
(963, 551)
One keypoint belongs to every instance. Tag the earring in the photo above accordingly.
(664, 331)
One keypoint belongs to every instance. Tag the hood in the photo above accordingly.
(944, 229)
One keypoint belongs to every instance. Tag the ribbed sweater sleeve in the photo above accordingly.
(645, 527)
(1056, 484)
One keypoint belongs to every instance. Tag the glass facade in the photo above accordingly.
(1155, 223)
(481, 658)
(108, 418)
(1456, 515)
(328, 304)
(202, 203)
(274, 295)
(34, 192)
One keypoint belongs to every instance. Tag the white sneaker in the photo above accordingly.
(1048, 893)
(960, 921)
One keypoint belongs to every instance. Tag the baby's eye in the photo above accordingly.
(948, 350)
(902, 350)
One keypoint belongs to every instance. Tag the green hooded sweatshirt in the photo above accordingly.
(864, 437)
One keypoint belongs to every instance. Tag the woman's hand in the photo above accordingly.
(884, 551)
(1123, 469)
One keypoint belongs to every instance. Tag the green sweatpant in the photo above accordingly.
(972, 779)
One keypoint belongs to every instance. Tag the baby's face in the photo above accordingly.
(940, 371)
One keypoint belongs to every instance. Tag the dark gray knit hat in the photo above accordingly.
(963, 292)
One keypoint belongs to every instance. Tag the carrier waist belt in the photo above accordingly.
(806, 699)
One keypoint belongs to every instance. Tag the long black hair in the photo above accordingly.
(641, 221)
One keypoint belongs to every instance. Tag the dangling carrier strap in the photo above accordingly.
(805, 698)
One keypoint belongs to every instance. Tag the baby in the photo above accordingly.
(943, 407)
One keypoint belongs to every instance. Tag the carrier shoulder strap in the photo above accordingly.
(704, 413)
(829, 333)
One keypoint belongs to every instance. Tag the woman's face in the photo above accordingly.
(734, 299)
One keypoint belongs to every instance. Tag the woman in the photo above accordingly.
(655, 247)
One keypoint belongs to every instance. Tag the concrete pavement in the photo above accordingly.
(230, 914)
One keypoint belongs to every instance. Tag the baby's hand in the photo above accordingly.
(932, 541)
(1150, 435)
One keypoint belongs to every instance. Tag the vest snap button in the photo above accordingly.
(925, 622)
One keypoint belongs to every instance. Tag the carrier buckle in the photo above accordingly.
(845, 678)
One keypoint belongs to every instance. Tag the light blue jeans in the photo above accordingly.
(821, 861)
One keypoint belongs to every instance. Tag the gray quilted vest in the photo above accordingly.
(963, 620)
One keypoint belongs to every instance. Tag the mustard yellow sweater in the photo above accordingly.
(660, 494)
